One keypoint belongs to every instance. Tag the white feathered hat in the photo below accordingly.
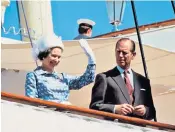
(46, 42)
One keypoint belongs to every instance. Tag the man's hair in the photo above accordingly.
(133, 47)
(83, 28)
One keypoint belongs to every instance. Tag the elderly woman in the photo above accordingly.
(45, 83)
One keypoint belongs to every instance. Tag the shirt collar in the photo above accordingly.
(122, 70)
(40, 71)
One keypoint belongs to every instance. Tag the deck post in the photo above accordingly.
(140, 43)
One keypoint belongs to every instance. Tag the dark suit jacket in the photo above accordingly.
(109, 89)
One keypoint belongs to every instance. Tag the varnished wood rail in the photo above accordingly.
(35, 101)
(141, 28)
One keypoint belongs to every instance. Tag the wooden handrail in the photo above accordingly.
(87, 111)
(141, 28)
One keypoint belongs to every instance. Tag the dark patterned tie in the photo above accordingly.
(128, 85)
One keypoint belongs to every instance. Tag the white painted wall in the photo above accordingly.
(161, 38)
(13, 82)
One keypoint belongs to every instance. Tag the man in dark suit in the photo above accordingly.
(121, 90)
(85, 29)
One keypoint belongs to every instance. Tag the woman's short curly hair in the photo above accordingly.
(45, 53)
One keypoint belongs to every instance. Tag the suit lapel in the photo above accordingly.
(120, 82)
(136, 88)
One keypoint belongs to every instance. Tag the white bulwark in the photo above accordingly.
(17, 117)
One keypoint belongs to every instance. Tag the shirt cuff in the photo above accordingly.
(91, 60)
(114, 111)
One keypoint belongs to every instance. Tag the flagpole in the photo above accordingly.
(173, 5)
(139, 39)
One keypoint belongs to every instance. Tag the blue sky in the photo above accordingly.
(66, 13)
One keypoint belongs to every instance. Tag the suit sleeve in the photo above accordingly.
(98, 95)
(150, 109)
